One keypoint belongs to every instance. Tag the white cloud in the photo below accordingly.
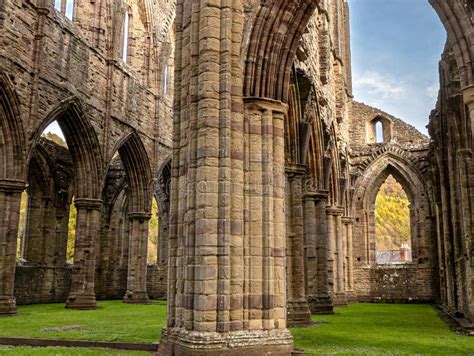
(404, 97)
(378, 85)
(432, 91)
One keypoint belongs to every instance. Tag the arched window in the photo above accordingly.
(66, 7)
(379, 130)
(126, 32)
(379, 138)
(393, 240)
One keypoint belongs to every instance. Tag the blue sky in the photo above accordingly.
(396, 47)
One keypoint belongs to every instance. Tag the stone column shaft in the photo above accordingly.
(298, 309)
(82, 294)
(466, 158)
(348, 224)
(331, 251)
(10, 199)
(137, 259)
(317, 242)
(227, 259)
(336, 253)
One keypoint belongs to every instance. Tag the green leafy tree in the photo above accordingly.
(71, 236)
(392, 216)
(22, 226)
(153, 232)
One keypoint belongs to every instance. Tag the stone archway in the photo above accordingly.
(88, 163)
(12, 183)
(411, 281)
(139, 192)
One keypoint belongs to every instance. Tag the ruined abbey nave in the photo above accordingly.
(227, 132)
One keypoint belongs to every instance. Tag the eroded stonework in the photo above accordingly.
(266, 203)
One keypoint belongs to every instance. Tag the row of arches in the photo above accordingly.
(55, 176)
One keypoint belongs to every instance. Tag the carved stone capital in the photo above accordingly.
(88, 203)
(12, 185)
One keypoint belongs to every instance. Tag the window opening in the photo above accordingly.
(153, 232)
(392, 224)
(126, 30)
(379, 134)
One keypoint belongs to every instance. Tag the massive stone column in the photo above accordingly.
(226, 288)
(137, 259)
(466, 173)
(10, 199)
(298, 309)
(317, 258)
(82, 294)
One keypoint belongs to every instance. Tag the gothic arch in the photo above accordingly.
(138, 172)
(274, 40)
(12, 149)
(456, 16)
(411, 180)
(386, 164)
(82, 143)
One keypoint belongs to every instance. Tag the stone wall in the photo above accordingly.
(35, 284)
(397, 284)
(404, 155)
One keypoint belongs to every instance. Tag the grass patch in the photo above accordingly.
(382, 329)
(371, 329)
(111, 321)
(65, 351)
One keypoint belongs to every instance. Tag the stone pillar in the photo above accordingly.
(226, 286)
(137, 259)
(298, 313)
(336, 254)
(349, 275)
(10, 199)
(82, 294)
(227, 290)
(466, 174)
(317, 243)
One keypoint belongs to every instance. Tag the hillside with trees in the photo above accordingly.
(392, 216)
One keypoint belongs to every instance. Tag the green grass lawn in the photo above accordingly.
(373, 329)
(382, 329)
(65, 351)
(111, 321)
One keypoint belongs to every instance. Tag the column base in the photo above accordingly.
(7, 306)
(81, 302)
(135, 298)
(298, 313)
(182, 342)
(321, 305)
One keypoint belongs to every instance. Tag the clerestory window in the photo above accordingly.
(126, 33)
(65, 7)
